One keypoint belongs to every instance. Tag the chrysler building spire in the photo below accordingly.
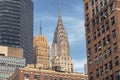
(61, 60)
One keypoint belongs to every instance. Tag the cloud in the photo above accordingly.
(78, 65)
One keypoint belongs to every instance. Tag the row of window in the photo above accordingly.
(104, 68)
(110, 77)
(37, 77)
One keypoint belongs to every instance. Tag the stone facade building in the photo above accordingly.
(61, 59)
(42, 52)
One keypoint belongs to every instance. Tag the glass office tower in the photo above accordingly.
(16, 25)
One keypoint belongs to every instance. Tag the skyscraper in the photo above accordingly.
(42, 52)
(102, 24)
(61, 60)
(16, 25)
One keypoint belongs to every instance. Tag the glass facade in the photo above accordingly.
(8, 65)
(16, 25)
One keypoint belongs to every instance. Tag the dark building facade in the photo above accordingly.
(16, 25)
(102, 24)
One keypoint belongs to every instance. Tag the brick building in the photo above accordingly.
(36, 74)
(102, 25)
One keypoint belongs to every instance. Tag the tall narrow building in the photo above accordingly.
(16, 26)
(42, 51)
(61, 60)
(102, 24)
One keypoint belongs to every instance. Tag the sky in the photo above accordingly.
(72, 12)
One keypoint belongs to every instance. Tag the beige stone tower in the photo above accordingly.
(42, 52)
(61, 60)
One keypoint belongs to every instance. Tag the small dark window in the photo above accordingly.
(94, 35)
(110, 65)
(98, 32)
(113, 20)
(107, 25)
(86, 6)
(97, 9)
(103, 29)
(89, 40)
(114, 34)
(97, 73)
(95, 47)
(115, 47)
(116, 61)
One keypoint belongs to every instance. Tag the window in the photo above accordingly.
(114, 34)
(107, 25)
(99, 45)
(113, 20)
(101, 70)
(112, 8)
(88, 28)
(109, 51)
(97, 9)
(116, 61)
(106, 67)
(97, 20)
(92, 2)
(106, 78)
(100, 58)
(60, 78)
(97, 73)
(50, 77)
(93, 12)
(106, 13)
(96, 60)
(111, 77)
(91, 76)
(65, 78)
(86, 6)
(45, 77)
(93, 23)
(36, 77)
(110, 65)
(102, 16)
(95, 47)
(26, 76)
(115, 47)
(101, 4)
(108, 38)
(103, 29)
(89, 52)
(105, 55)
(98, 32)
(87, 18)
(118, 75)
(105, 2)
(88, 39)
(90, 63)
(55, 78)
(94, 35)
(104, 42)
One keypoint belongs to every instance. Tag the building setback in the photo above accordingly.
(36, 74)
(9, 61)
(102, 25)
(16, 25)
(61, 59)
(42, 52)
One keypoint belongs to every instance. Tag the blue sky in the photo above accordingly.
(46, 11)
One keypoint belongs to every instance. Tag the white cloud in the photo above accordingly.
(78, 65)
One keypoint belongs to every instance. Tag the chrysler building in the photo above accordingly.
(61, 59)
